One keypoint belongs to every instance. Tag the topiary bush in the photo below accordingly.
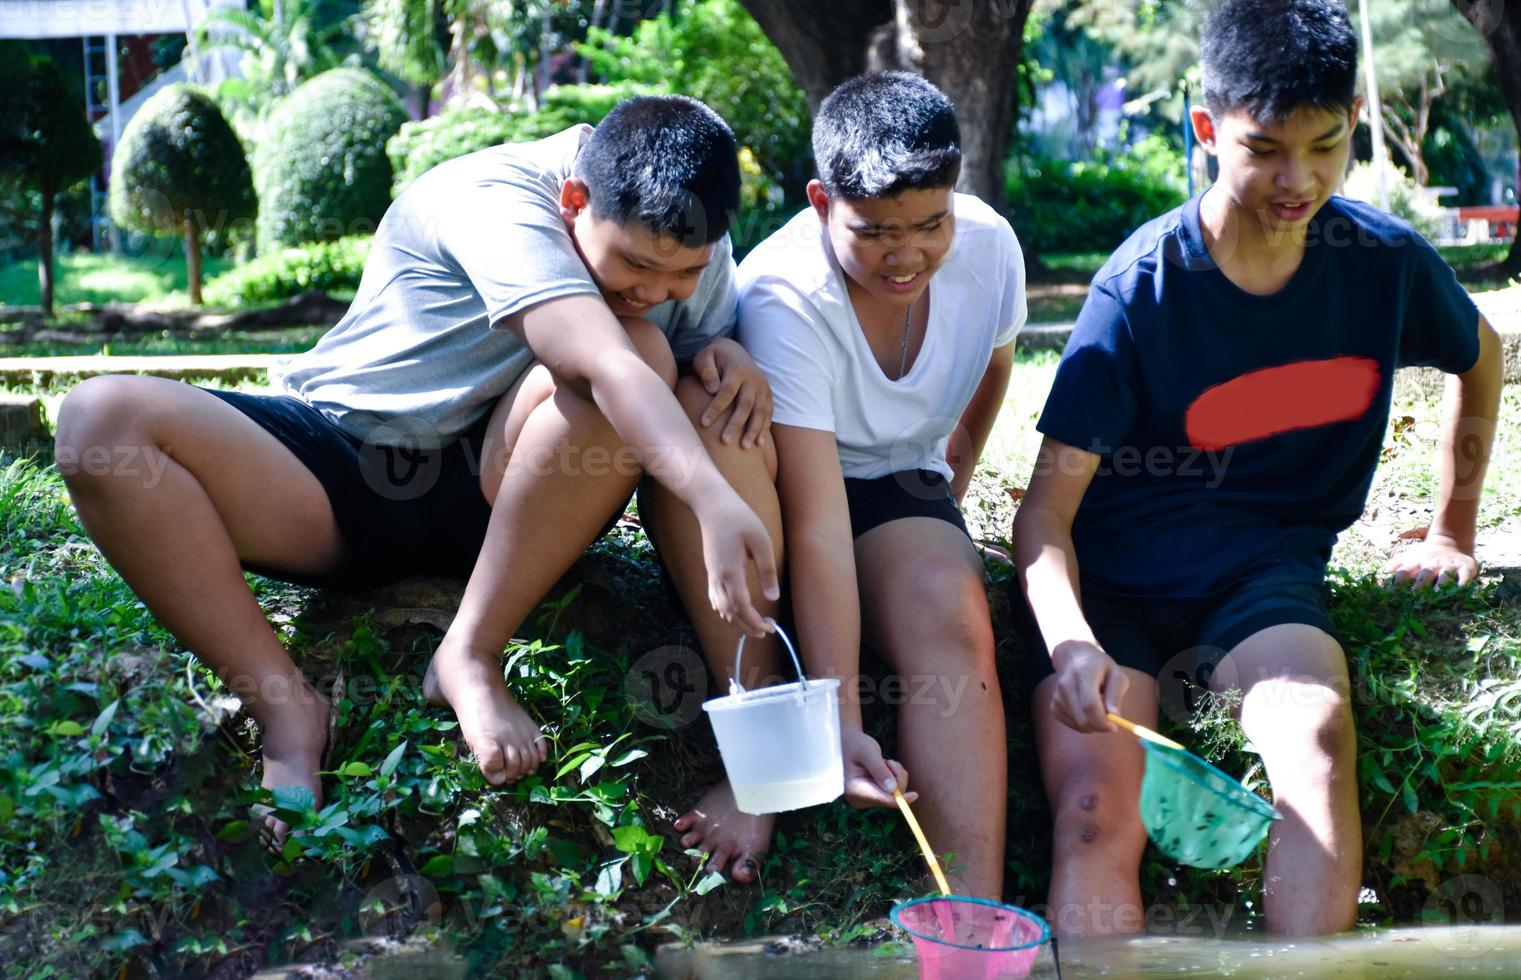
(332, 267)
(1092, 206)
(180, 169)
(322, 170)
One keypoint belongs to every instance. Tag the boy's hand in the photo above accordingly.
(1437, 560)
(1088, 685)
(732, 538)
(734, 379)
(870, 779)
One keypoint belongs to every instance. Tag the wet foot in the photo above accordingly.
(293, 740)
(733, 840)
(504, 738)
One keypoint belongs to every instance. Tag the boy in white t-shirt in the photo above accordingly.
(884, 318)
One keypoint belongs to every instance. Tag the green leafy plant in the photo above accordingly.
(333, 267)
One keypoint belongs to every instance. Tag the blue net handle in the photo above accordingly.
(735, 687)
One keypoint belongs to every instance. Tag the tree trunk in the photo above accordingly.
(45, 253)
(1499, 24)
(971, 50)
(192, 238)
(823, 48)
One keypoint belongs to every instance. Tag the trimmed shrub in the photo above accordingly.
(180, 169)
(333, 267)
(1093, 206)
(322, 170)
(420, 146)
(1407, 199)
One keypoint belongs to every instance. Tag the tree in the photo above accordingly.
(1418, 45)
(969, 48)
(180, 169)
(46, 145)
(1499, 24)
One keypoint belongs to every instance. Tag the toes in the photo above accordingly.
(720, 858)
(491, 760)
(684, 821)
(744, 868)
(694, 839)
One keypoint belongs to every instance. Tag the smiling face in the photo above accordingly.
(634, 267)
(889, 247)
(1280, 173)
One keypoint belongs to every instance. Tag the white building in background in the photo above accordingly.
(98, 24)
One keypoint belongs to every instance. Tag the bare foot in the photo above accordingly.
(504, 738)
(733, 840)
(293, 739)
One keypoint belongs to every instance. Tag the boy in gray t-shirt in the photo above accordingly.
(538, 328)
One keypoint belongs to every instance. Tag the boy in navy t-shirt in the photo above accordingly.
(1214, 424)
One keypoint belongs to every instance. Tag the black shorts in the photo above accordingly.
(402, 510)
(907, 493)
(1147, 634)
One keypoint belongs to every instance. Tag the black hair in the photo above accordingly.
(882, 133)
(1273, 57)
(667, 162)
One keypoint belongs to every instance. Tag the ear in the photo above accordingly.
(1204, 127)
(1357, 111)
(573, 199)
(819, 198)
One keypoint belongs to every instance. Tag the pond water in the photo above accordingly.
(1383, 954)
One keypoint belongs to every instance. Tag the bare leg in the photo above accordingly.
(178, 488)
(734, 839)
(1295, 709)
(555, 470)
(924, 606)
(1094, 784)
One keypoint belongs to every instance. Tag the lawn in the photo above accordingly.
(151, 273)
(124, 845)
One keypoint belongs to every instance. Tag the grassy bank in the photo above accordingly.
(128, 771)
(155, 273)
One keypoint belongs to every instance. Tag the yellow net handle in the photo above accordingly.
(929, 854)
(1141, 731)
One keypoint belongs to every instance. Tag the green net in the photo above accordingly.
(1196, 814)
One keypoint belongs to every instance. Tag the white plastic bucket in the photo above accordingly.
(780, 745)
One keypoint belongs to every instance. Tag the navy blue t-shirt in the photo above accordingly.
(1239, 433)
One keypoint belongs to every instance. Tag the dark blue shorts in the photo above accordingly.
(1147, 634)
(907, 493)
(402, 510)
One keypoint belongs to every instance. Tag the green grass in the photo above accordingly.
(290, 340)
(155, 275)
(127, 774)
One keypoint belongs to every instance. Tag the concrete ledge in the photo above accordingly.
(43, 371)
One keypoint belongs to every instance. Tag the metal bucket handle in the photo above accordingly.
(735, 687)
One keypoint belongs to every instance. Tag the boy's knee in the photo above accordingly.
(955, 605)
(95, 416)
(652, 347)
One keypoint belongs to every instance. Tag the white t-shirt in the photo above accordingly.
(796, 320)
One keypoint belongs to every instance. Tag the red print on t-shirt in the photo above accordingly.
(1270, 401)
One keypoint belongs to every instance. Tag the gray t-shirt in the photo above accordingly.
(422, 353)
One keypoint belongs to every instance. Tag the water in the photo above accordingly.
(789, 794)
(1410, 952)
